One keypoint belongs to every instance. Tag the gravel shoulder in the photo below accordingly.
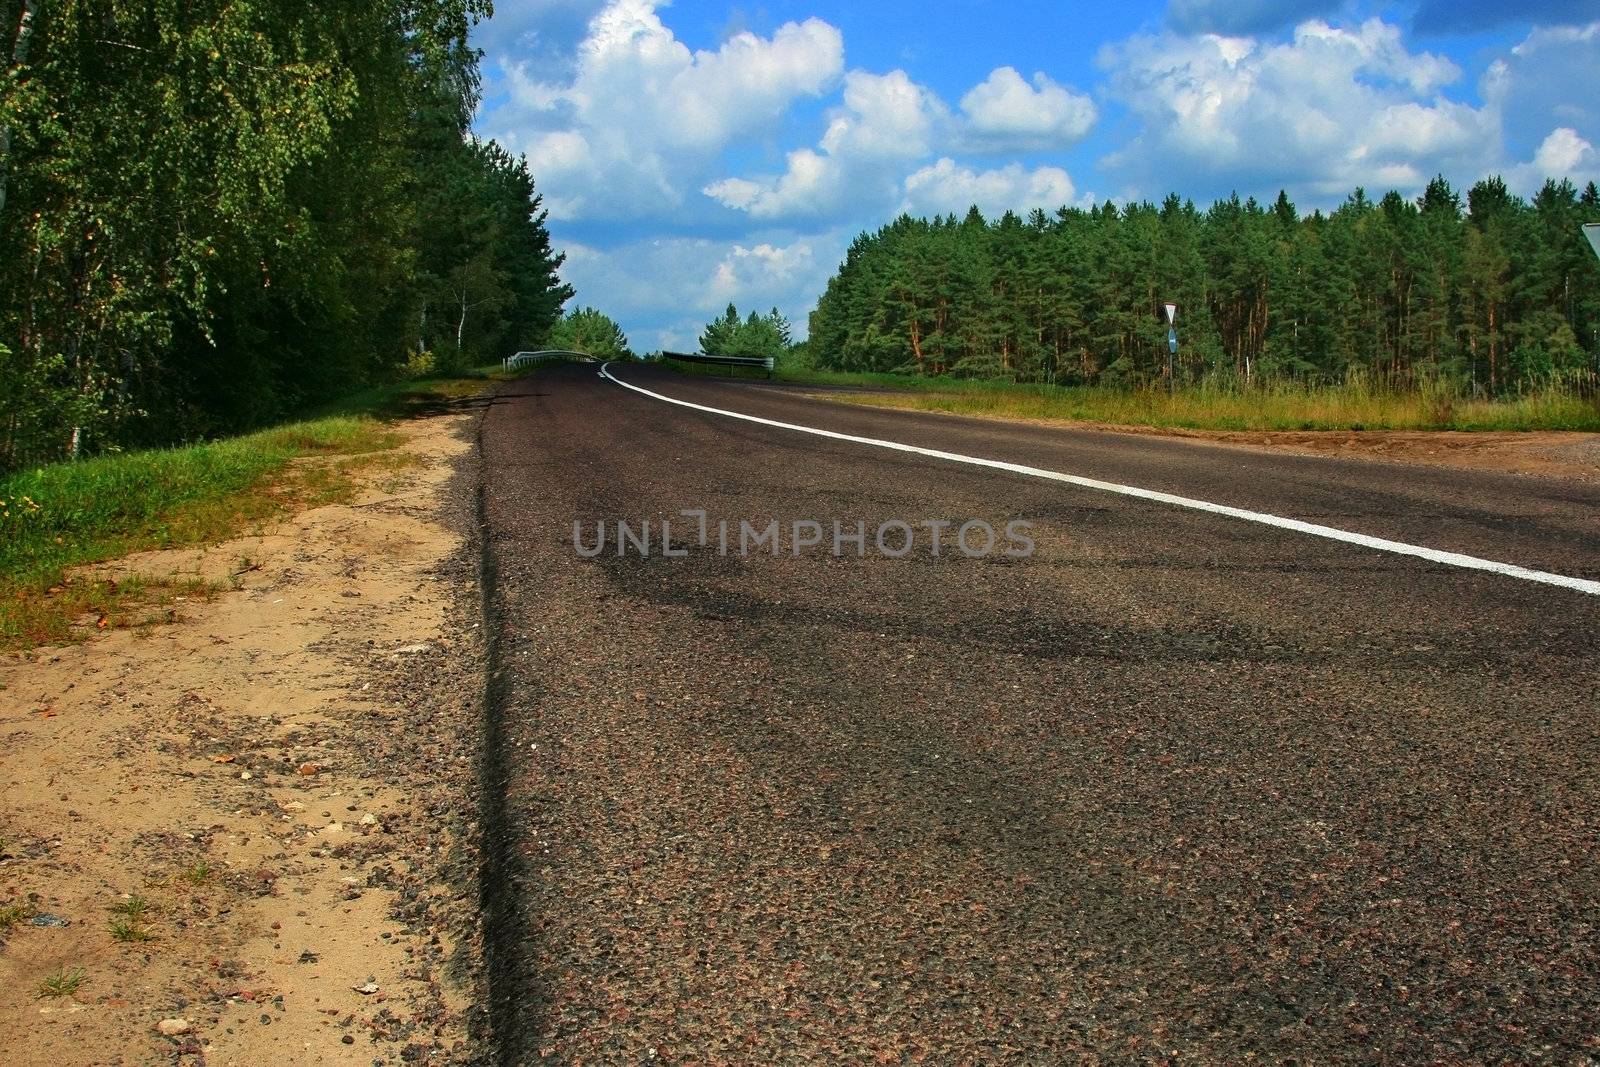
(286, 776)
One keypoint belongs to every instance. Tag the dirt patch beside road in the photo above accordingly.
(1557, 454)
(1541, 452)
(248, 836)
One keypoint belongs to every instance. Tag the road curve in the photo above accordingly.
(1175, 787)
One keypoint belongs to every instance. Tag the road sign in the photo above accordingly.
(1591, 230)
(1172, 340)
(1172, 311)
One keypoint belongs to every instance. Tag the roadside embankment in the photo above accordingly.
(245, 830)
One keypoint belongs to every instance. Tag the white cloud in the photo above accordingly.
(1004, 113)
(885, 116)
(1562, 154)
(1331, 109)
(947, 188)
(886, 122)
(663, 290)
(648, 111)
(765, 275)
(1543, 84)
(814, 185)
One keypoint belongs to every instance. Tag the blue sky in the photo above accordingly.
(696, 153)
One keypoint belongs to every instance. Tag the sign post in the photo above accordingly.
(1172, 345)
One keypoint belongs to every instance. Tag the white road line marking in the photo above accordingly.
(1399, 548)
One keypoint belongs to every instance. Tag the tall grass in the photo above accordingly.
(1216, 406)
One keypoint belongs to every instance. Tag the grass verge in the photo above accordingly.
(57, 519)
(1280, 407)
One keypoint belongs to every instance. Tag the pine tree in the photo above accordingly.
(1385, 292)
(592, 332)
(721, 335)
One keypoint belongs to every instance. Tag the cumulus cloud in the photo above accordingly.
(888, 124)
(946, 187)
(663, 290)
(1331, 109)
(1562, 154)
(639, 108)
(1541, 84)
(886, 121)
(767, 275)
(886, 116)
(1004, 113)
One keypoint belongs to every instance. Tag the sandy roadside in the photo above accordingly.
(1544, 453)
(286, 774)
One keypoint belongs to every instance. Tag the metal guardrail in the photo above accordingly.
(762, 362)
(523, 359)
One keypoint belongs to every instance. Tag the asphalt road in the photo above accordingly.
(1174, 788)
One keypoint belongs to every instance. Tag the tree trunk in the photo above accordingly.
(916, 341)
(1494, 370)
(19, 56)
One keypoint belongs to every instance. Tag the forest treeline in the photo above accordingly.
(1492, 292)
(216, 212)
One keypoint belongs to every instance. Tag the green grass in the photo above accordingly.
(1286, 406)
(198, 874)
(66, 515)
(62, 983)
(133, 907)
(404, 399)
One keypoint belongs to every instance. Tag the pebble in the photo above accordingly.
(174, 1027)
